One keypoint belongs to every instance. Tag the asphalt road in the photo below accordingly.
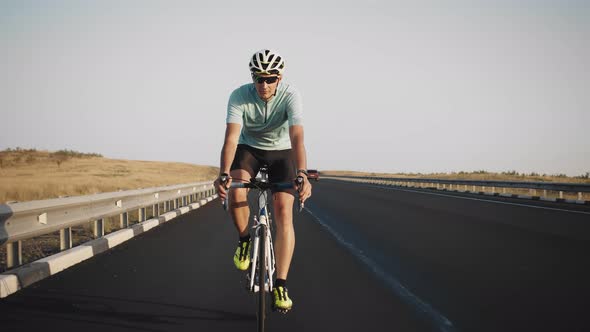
(367, 258)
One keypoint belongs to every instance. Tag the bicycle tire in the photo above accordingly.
(261, 279)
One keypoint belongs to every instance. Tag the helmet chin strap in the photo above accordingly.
(278, 82)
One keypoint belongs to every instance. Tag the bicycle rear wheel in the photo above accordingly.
(262, 259)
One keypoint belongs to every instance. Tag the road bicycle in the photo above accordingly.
(262, 262)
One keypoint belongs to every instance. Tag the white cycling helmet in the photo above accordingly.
(267, 62)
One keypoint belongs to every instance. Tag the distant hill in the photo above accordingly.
(28, 174)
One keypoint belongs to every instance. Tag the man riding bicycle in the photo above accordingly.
(265, 127)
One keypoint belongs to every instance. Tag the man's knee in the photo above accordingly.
(283, 205)
(238, 198)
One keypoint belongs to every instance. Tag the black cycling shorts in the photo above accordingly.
(281, 164)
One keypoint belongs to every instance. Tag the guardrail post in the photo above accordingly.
(175, 203)
(65, 238)
(561, 194)
(14, 254)
(473, 188)
(98, 228)
(156, 209)
(141, 215)
(124, 220)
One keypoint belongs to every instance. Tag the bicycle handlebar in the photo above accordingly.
(254, 184)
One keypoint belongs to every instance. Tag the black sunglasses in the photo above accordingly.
(268, 80)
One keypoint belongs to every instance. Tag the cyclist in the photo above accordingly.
(264, 126)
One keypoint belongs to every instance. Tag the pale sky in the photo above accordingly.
(387, 86)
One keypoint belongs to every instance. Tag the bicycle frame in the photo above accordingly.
(262, 236)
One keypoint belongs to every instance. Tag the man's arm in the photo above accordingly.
(296, 135)
(230, 144)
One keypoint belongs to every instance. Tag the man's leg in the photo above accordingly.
(285, 234)
(240, 212)
(238, 203)
(284, 246)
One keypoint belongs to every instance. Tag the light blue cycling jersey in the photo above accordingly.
(265, 125)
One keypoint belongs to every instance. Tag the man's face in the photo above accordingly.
(266, 85)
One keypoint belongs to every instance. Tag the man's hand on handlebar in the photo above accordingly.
(222, 185)
(303, 186)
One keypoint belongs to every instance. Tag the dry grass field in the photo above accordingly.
(27, 175)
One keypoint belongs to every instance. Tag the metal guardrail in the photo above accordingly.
(21, 221)
(578, 188)
(568, 187)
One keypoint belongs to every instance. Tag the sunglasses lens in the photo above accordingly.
(268, 80)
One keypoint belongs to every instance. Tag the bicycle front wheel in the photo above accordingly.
(262, 259)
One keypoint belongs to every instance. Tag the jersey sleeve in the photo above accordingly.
(235, 112)
(294, 109)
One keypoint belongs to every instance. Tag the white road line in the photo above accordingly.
(443, 324)
(476, 199)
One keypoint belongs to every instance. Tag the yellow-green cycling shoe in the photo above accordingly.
(281, 300)
(242, 255)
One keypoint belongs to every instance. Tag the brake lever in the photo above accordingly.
(299, 181)
(223, 180)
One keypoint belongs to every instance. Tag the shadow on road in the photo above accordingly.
(136, 314)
